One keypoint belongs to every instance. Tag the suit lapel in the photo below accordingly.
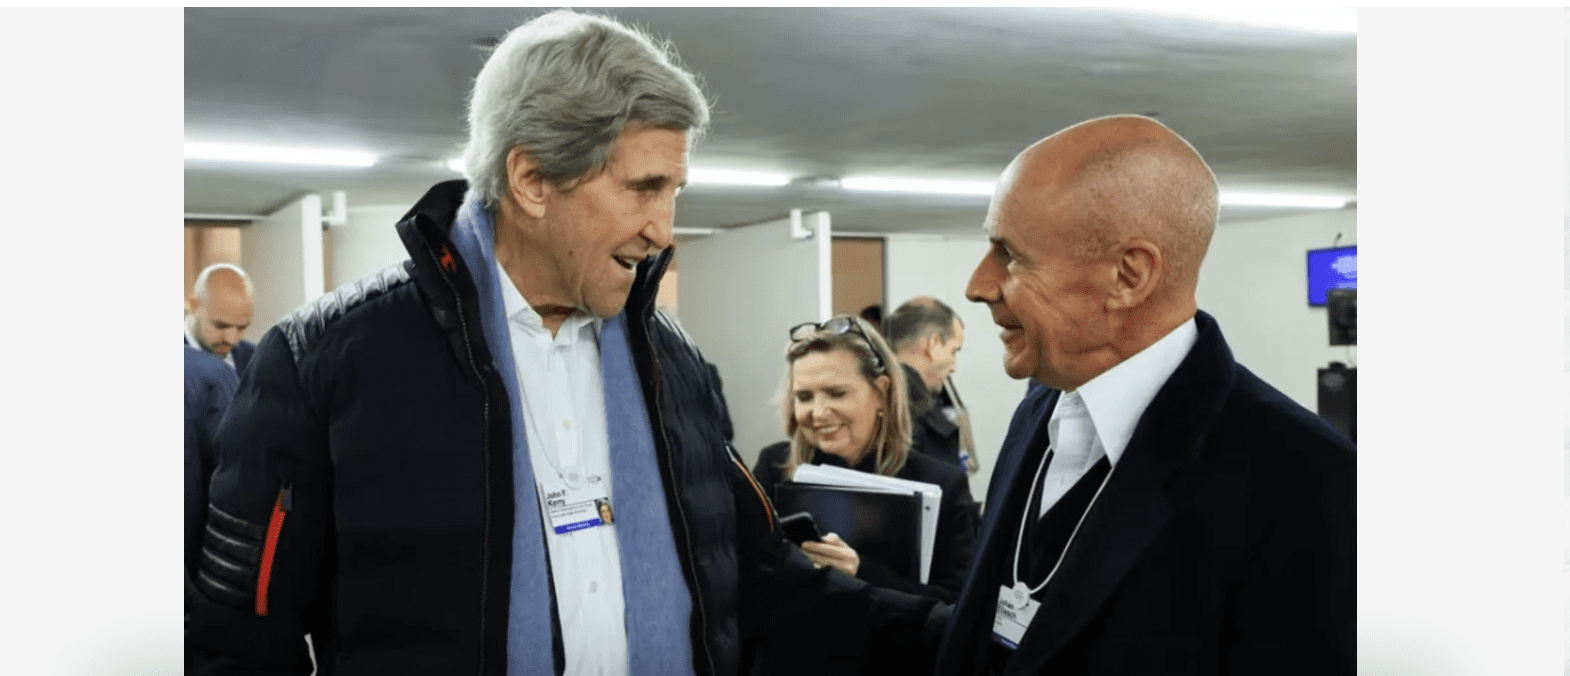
(971, 625)
(242, 357)
(1133, 509)
(1128, 515)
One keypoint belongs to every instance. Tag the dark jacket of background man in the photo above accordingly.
(209, 387)
(932, 433)
(242, 353)
(403, 568)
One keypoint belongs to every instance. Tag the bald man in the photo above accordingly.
(1156, 508)
(217, 313)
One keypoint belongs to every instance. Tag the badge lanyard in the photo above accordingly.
(1020, 540)
(1016, 608)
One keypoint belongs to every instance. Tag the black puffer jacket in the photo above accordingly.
(364, 492)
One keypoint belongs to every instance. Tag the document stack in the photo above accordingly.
(893, 521)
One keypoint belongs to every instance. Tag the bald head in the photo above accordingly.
(222, 280)
(220, 308)
(1129, 176)
(1097, 233)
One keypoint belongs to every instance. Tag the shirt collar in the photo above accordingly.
(1118, 397)
(190, 339)
(520, 314)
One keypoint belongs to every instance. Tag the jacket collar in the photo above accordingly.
(924, 408)
(920, 396)
(426, 230)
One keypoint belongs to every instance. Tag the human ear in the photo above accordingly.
(882, 384)
(525, 185)
(934, 343)
(1137, 275)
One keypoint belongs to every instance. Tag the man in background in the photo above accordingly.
(873, 314)
(927, 336)
(217, 313)
(1156, 508)
(209, 387)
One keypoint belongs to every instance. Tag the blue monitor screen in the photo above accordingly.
(1330, 269)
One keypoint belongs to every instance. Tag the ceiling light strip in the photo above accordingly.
(1310, 20)
(917, 185)
(234, 152)
(710, 176)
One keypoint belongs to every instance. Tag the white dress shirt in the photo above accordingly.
(563, 402)
(1116, 399)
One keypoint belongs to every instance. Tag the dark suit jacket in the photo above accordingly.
(242, 354)
(1223, 543)
(209, 387)
(958, 515)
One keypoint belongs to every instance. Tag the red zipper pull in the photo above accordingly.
(270, 547)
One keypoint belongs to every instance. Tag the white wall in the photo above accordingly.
(1254, 282)
(741, 290)
(941, 267)
(367, 242)
(282, 253)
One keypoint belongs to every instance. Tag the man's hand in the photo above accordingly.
(833, 551)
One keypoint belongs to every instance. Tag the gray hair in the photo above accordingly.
(563, 87)
(200, 287)
(918, 318)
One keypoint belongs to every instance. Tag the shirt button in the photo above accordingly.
(566, 423)
(594, 587)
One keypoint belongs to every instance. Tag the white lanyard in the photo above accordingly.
(1020, 541)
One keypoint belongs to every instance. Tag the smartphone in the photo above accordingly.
(800, 527)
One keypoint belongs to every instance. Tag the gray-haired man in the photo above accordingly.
(411, 473)
(927, 335)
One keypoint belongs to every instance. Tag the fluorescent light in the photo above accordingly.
(736, 177)
(917, 185)
(696, 175)
(985, 188)
(1316, 20)
(1269, 199)
(233, 152)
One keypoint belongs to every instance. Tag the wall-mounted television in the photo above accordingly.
(1330, 269)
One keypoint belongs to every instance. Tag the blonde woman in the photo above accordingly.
(845, 405)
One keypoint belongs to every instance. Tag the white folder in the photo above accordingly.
(931, 498)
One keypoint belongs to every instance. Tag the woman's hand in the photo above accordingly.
(833, 551)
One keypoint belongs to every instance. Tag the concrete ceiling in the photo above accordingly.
(942, 92)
